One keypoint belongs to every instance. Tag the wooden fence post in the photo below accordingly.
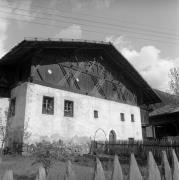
(134, 173)
(69, 174)
(175, 166)
(41, 174)
(117, 171)
(153, 171)
(98, 172)
(166, 167)
(8, 175)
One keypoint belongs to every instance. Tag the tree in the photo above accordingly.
(174, 80)
(4, 130)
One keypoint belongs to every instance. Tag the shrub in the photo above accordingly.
(47, 153)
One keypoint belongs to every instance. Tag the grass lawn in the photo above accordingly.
(84, 168)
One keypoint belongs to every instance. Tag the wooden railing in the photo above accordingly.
(139, 148)
(154, 173)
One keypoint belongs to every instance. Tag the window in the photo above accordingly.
(132, 118)
(95, 114)
(48, 105)
(122, 117)
(68, 108)
(131, 140)
(12, 107)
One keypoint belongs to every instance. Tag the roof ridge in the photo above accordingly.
(65, 40)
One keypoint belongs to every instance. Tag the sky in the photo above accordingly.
(145, 32)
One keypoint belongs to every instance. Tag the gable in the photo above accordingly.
(85, 71)
(27, 48)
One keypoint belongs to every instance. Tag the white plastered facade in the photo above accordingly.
(29, 98)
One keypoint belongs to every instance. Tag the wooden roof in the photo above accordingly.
(169, 104)
(31, 45)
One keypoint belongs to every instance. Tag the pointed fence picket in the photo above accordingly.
(117, 173)
(153, 171)
(70, 174)
(117, 170)
(8, 175)
(134, 172)
(99, 172)
(175, 166)
(41, 174)
(167, 174)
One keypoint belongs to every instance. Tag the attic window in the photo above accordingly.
(48, 105)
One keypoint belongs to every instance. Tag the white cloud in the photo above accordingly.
(27, 15)
(72, 32)
(103, 3)
(148, 62)
(3, 35)
(8, 13)
(3, 27)
(96, 4)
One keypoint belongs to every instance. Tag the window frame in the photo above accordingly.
(122, 115)
(68, 108)
(131, 140)
(132, 118)
(44, 109)
(96, 115)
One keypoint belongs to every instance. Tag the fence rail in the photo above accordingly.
(139, 148)
(117, 174)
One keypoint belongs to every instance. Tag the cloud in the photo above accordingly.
(103, 3)
(3, 36)
(97, 4)
(8, 13)
(27, 15)
(147, 61)
(150, 65)
(3, 33)
(72, 32)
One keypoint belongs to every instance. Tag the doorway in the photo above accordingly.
(112, 136)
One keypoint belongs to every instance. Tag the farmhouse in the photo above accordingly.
(65, 89)
(164, 116)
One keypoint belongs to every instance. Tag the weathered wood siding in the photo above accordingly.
(83, 71)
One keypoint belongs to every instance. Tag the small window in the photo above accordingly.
(12, 107)
(48, 105)
(132, 118)
(131, 140)
(68, 108)
(95, 114)
(122, 117)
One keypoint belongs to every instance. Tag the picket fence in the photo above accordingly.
(117, 174)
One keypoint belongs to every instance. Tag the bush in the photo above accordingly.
(46, 152)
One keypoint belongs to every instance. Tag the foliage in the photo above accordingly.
(46, 153)
(4, 130)
(174, 80)
(43, 155)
